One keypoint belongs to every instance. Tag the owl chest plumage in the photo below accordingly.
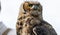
(26, 23)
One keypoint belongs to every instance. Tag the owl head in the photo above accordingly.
(32, 7)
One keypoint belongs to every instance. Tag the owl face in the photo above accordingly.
(32, 6)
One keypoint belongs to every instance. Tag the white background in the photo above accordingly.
(51, 12)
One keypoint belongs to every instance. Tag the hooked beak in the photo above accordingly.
(34, 7)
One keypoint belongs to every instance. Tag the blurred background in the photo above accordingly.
(9, 10)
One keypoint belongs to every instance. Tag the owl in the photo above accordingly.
(30, 20)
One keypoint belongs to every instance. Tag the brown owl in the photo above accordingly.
(30, 20)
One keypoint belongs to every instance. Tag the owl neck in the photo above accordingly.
(35, 14)
(40, 17)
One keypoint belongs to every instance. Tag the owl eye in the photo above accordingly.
(30, 5)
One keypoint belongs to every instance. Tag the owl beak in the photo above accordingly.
(34, 7)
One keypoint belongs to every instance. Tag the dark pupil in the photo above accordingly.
(30, 5)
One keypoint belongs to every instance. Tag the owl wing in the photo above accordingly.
(44, 29)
